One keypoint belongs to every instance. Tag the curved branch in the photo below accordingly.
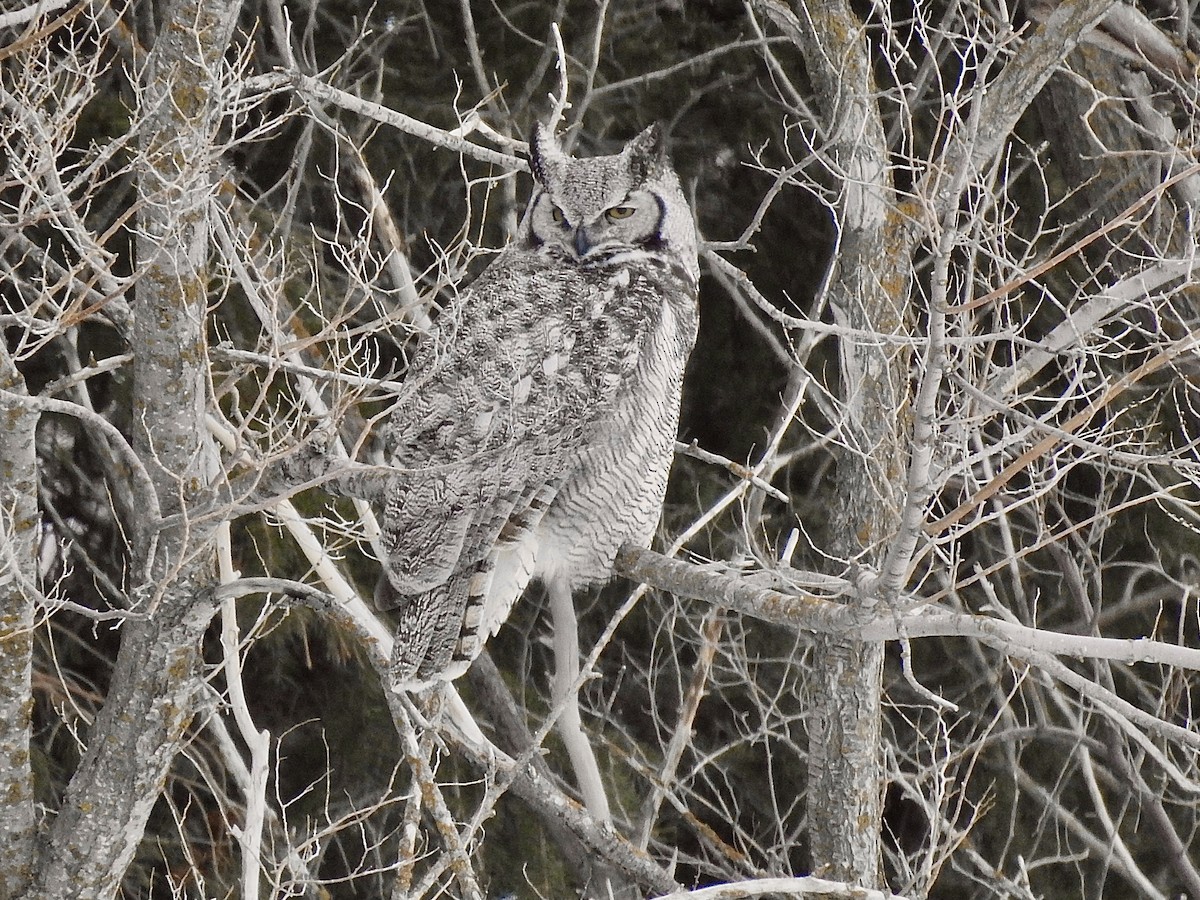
(143, 485)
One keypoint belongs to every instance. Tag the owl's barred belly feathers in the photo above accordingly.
(538, 429)
(616, 492)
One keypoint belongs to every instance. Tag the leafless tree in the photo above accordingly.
(922, 619)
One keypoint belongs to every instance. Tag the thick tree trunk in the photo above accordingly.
(18, 574)
(152, 696)
(867, 292)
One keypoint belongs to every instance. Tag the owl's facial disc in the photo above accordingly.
(634, 221)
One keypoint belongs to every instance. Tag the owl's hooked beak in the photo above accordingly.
(582, 242)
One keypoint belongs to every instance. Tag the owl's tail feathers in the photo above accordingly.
(440, 632)
(443, 629)
(500, 578)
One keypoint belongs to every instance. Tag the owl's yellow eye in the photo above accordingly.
(557, 215)
(619, 212)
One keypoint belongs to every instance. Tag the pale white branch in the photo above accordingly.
(807, 886)
(249, 834)
(317, 90)
(29, 13)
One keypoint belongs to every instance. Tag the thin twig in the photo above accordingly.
(741, 471)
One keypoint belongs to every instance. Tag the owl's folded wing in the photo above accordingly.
(435, 511)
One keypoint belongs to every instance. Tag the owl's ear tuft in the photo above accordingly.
(646, 153)
(544, 154)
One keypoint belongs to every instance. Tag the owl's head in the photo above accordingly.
(596, 208)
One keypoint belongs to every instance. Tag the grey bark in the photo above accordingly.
(868, 291)
(1014, 89)
(156, 680)
(1101, 149)
(18, 575)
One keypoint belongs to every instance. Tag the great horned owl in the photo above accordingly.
(537, 430)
